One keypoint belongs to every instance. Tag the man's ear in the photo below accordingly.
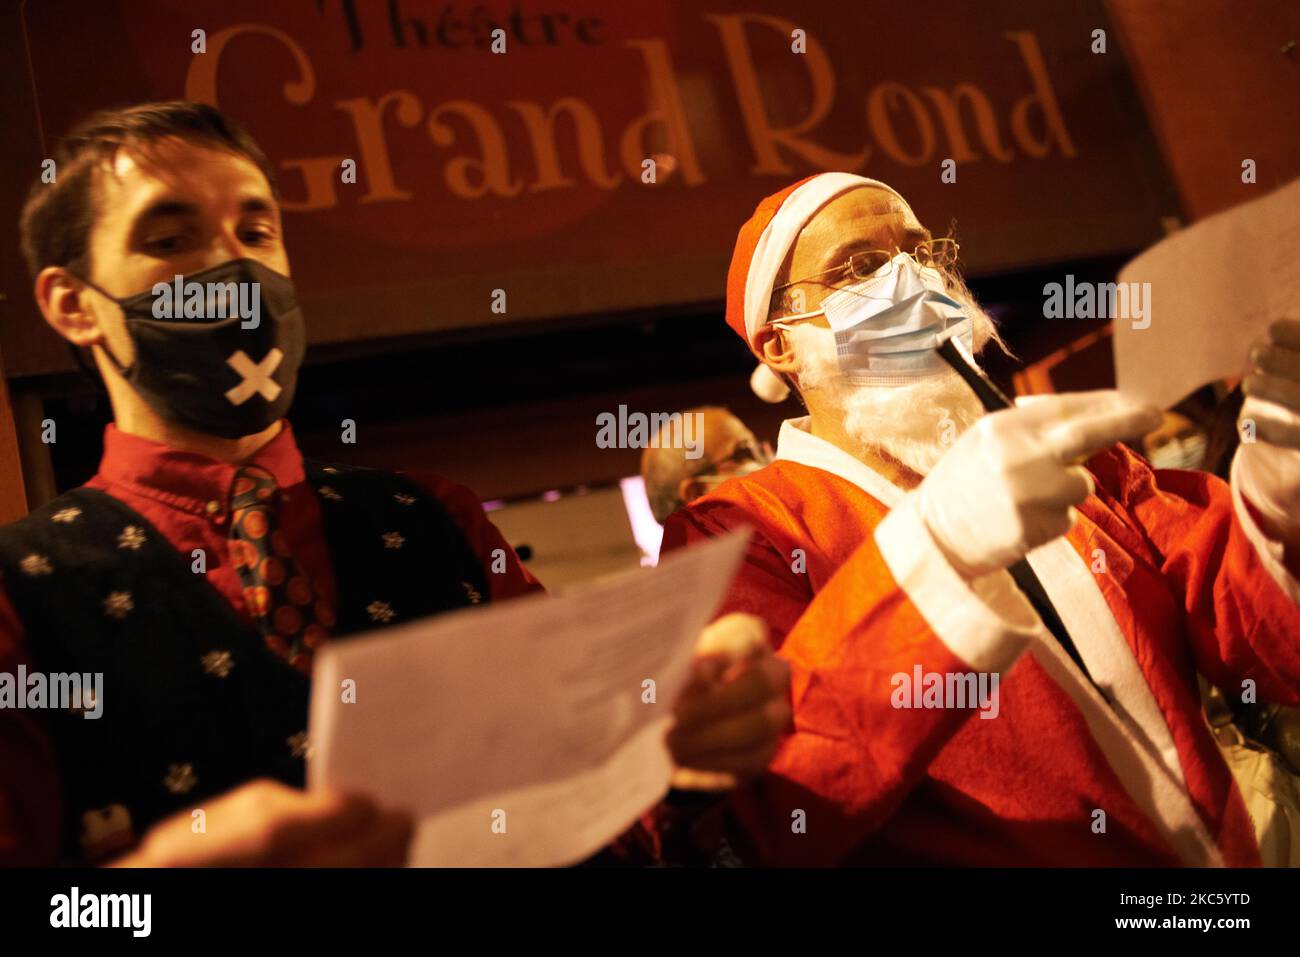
(773, 347)
(63, 300)
(688, 490)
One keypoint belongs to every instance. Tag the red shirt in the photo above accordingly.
(186, 497)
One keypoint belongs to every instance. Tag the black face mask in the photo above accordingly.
(219, 363)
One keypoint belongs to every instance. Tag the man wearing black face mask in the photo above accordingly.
(159, 249)
(194, 336)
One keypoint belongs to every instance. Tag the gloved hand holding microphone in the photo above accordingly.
(1010, 484)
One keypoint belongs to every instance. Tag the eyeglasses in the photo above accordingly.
(744, 452)
(932, 253)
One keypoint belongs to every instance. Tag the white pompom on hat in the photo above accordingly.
(767, 385)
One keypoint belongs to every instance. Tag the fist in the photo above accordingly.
(265, 824)
(1010, 483)
(1267, 468)
(730, 718)
(1272, 386)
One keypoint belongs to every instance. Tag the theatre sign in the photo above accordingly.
(455, 164)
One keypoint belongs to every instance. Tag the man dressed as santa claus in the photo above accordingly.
(937, 720)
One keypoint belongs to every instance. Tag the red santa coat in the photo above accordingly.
(1164, 574)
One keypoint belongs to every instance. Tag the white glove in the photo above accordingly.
(1008, 485)
(1267, 469)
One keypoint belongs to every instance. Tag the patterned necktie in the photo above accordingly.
(279, 595)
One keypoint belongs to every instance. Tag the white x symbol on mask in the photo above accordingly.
(256, 376)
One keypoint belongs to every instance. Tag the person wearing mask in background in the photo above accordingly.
(937, 721)
(207, 663)
(672, 478)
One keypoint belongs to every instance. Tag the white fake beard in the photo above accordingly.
(915, 423)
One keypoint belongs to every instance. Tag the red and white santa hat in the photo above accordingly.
(761, 247)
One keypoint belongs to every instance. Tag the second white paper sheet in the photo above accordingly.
(1213, 289)
(518, 733)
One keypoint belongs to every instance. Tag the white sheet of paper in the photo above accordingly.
(532, 707)
(1215, 287)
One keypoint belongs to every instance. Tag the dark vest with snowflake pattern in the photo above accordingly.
(194, 703)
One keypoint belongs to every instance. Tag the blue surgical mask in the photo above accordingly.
(888, 325)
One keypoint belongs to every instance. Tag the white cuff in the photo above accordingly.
(987, 623)
(1269, 551)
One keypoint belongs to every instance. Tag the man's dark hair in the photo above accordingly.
(57, 217)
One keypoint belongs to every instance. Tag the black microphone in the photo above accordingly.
(993, 399)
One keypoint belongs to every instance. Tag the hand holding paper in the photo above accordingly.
(1268, 461)
(1213, 289)
(729, 719)
(531, 733)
